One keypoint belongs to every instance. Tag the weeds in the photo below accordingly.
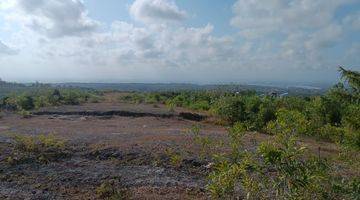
(174, 157)
(279, 169)
(42, 149)
(111, 190)
(24, 114)
(206, 144)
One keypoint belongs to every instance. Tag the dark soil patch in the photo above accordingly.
(183, 115)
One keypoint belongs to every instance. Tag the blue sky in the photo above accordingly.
(200, 41)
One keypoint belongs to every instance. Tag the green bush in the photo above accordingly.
(267, 111)
(288, 121)
(25, 102)
(331, 133)
(280, 169)
(231, 109)
(41, 101)
(47, 97)
(351, 123)
(55, 97)
(200, 105)
(72, 98)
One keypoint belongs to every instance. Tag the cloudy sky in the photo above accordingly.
(202, 41)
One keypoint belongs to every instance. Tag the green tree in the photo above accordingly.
(26, 102)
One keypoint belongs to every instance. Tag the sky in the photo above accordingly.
(178, 41)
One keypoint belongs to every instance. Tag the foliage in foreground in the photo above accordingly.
(278, 169)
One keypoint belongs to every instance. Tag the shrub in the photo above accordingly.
(175, 158)
(110, 190)
(152, 98)
(43, 148)
(281, 169)
(332, 109)
(288, 121)
(41, 101)
(25, 102)
(72, 98)
(93, 98)
(24, 114)
(236, 134)
(331, 133)
(292, 103)
(266, 114)
(55, 97)
(206, 144)
(200, 105)
(231, 109)
(351, 122)
(171, 106)
(223, 179)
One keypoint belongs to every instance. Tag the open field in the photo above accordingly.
(173, 100)
(146, 156)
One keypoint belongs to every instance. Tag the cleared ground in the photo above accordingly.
(133, 152)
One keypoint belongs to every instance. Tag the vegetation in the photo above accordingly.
(175, 158)
(110, 190)
(42, 149)
(332, 117)
(35, 99)
(281, 168)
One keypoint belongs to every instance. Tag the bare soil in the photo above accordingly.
(130, 149)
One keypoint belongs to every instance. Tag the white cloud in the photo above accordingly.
(324, 38)
(5, 50)
(156, 11)
(293, 33)
(6, 4)
(57, 18)
(275, 35)
(352, 56)
(353, 21)
(255, 18)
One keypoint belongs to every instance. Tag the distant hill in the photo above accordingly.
(152, 87)
(7, 88)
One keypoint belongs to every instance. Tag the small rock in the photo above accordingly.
(209, 166)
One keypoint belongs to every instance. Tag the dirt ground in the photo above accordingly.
(106, 148)
(128, 150)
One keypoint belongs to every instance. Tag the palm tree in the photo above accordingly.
(351, 77)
